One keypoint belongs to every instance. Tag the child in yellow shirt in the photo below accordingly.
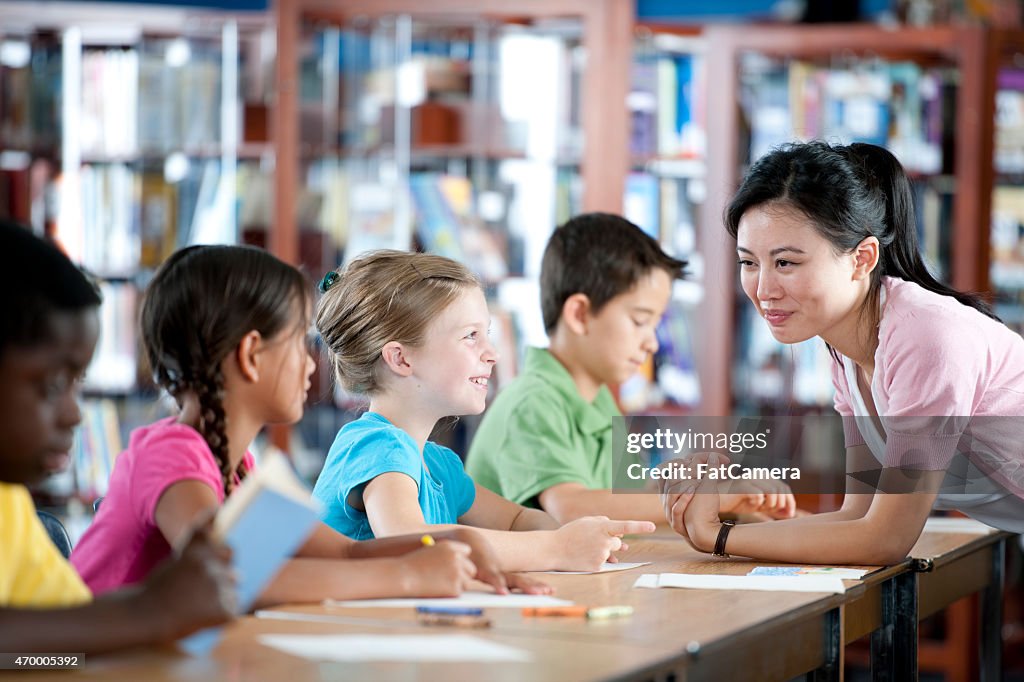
(48, 332)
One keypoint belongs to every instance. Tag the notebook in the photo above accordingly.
(264, 522)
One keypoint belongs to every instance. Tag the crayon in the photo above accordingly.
(453, 621)
(577, 611)
(450, 610)
(605, 612)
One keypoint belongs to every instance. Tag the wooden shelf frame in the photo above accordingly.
(972, 50)
(607, 30)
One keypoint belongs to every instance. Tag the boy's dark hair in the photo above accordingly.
(600, 255)
(200, 304)
(36, 279)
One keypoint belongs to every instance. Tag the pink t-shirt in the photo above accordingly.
(124, 544)
(937, 358)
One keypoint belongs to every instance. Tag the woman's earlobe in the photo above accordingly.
(866, 257)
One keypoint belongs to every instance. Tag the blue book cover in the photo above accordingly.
(264, 522)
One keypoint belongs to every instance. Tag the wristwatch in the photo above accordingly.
(723, 535)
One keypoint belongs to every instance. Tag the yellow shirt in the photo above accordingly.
(32, 571)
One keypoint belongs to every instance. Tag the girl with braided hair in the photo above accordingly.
(224, 330)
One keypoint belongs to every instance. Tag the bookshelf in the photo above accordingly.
(1007, 239)
(467, 129)
(664, 190)
(122, 138)
(966, 52)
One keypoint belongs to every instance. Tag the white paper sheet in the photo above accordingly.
(394, 648)
(480, 600)
(649, 580)
(606, 568)
(804, 583)
(954, 524)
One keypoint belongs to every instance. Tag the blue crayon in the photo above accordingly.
(451, 610)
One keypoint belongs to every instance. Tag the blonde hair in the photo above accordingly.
(383, 296)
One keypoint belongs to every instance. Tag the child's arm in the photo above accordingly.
(392, 507)
(569, 501)
(327, 543)
(444, 570)
(185, 594)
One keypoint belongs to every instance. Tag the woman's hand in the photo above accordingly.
(692, 506)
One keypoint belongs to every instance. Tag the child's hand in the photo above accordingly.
(482, 555)
(585, 544)
(520, 582)
(194, 590)
(772, 498)
(444, 570)
(488, 568)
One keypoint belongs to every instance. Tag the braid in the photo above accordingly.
(209, 389)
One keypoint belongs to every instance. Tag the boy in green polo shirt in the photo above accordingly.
(546, 440)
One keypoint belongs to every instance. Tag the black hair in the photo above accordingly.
(600, 255)
(200, 304)
(36, 280)
(848, 193)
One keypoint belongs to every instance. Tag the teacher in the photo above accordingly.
(929, 382)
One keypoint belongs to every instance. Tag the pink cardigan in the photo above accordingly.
(935, 358)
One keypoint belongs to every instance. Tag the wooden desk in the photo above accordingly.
(691, 634)
(950, 566)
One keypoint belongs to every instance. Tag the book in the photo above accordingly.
(264, 522)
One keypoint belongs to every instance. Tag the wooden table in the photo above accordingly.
(691, 634)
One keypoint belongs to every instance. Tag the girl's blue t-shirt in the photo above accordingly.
(371, 446)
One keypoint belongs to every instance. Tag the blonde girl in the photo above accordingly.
(409, 330)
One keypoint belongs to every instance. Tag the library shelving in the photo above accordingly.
(467, 129)
(926, 93)
(125, 135)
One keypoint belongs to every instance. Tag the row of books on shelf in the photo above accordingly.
(664, 208)
(133, 101)
(902, 106)
(116, 218)
(30, 98)
(1009, 135)
(667, 105)
(1007, 268)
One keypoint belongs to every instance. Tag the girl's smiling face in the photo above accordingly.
(456, 359)
(793, 275)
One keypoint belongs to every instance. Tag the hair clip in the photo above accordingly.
(328, 281)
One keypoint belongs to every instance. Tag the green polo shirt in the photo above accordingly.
(540, 432)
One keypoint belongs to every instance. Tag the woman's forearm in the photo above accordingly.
(863, 541)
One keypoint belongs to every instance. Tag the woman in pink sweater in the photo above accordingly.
(924, 375)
